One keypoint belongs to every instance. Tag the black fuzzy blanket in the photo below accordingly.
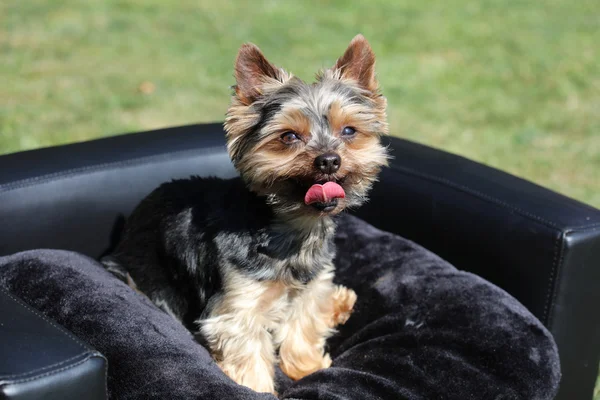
(421, 330)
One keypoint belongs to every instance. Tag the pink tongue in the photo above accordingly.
(324, 193)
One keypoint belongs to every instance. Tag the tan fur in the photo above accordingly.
(290, 119)
(240, 118)
(254, 73)
(358, 63)
(343, 304)
(131, 283)
(238, 330)
(368, 121)
(303, 337)
(271, 165)
(253, 319)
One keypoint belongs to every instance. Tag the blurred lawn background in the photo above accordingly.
(511, 83)
(514, 84)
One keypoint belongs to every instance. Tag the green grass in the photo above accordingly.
(511, 83)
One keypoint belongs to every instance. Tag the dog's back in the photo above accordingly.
(167, 249)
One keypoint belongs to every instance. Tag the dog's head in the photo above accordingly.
(308, 147)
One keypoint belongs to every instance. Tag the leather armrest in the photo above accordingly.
(538, 245)
(40, 360)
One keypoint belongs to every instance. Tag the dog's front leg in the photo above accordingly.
(315, 311)
(237, 332)
(243, 350)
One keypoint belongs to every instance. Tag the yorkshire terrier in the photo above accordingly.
(247, 263)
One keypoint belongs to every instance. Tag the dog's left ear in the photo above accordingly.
(358, 64)
(254, 73)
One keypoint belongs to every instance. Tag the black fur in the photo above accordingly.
(182, 237)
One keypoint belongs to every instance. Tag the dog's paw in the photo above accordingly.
(257, 379)
(343, 304)
(297, 366)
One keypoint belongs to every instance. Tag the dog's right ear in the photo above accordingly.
(254, 73)
(358, 64)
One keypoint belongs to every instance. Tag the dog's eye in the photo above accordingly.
(289, 137)
(348, 131)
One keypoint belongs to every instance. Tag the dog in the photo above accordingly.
(247, 263)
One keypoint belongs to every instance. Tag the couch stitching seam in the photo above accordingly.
(105, 375)
(550, 292)
(578, 229)
(48, 367)
(556, 274)
(42, 316)
(50, 372)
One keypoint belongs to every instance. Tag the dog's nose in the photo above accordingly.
(328, 163)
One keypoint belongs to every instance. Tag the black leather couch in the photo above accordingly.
(540, 246)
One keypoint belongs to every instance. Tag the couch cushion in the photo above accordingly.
(421, 330)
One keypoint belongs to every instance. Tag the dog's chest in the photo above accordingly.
(301, 259)
(268, 255)
(279, 303)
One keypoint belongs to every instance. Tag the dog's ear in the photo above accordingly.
(254, 73)
(358, 64)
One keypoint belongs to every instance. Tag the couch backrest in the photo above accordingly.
(71, 197)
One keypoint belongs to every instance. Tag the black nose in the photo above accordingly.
(328, 163)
